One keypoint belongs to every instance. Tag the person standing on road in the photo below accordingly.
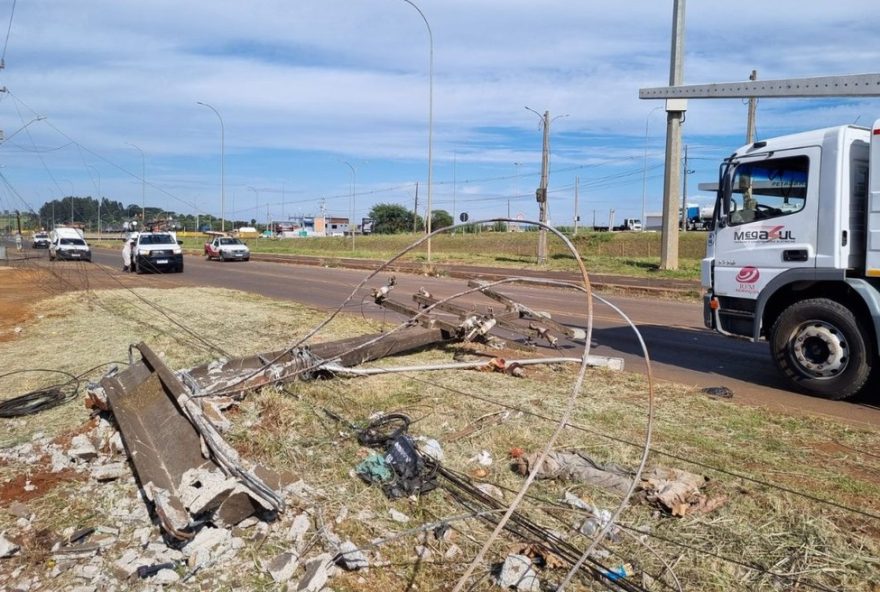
(18, 241)
(126, 255)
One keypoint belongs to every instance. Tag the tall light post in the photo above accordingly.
(257, 194)
(99, 196)
(353, 184)
(516, 166)
(143, 184)
(430, 117)
(645, 170)
(222, 158)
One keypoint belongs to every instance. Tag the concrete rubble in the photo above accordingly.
(517, 573)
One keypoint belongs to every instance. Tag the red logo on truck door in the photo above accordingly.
(748, 275)
(746, 278)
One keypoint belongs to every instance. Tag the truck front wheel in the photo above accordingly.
(820, 347)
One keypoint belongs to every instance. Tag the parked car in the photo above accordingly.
(227, 249)
(156, 251)
(40, 240)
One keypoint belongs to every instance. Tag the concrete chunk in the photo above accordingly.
(7, 547)
(517, 573)
(82, 448)
(110, 471)
(202, 490)
(282, 566)
(317, 574)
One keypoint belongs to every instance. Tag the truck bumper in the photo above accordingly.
(73, 255)
(160, 262)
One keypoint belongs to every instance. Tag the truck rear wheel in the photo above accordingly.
(820, 348)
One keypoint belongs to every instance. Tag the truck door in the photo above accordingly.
(767, 226)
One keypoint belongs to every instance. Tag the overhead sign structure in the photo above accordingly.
(856, 85)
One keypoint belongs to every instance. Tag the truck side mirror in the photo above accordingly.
(179, 242)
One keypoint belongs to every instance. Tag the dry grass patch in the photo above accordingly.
(747, 453)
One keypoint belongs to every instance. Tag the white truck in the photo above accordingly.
(156, 251)
(68, 243)
(793, 255)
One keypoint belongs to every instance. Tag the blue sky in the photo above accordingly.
(303, 86)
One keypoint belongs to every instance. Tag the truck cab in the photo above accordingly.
(793, 255)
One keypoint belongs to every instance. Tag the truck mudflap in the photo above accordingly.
(708, 312)
(184, 466)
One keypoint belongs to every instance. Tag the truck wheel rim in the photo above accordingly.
(820, 349)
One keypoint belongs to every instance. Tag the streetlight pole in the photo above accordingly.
(353, 225)
(99, 196)
(257, 194)
(645, 170)
(143, 184)
(542, 189)
(430, 117)
(222, 159)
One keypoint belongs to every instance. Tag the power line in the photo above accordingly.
(8, 31)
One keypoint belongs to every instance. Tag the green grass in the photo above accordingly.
(623, 253)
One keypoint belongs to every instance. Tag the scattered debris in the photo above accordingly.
(7, 547)
(482, 458)
(317, 574)
(398, 516)
(350, 557)
(517, 573)
(282, 566)
(718, 391)
(575, 466)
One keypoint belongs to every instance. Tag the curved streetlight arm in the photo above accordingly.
(430, 119)
(222, 160)
(143, 183)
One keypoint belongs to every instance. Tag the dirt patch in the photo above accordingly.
(17, 296)
(30, 486)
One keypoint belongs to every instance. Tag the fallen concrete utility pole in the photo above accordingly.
(185, 467)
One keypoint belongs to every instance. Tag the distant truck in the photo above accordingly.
(629, 224)
(156, 251)
(68, 243)
(226, 248)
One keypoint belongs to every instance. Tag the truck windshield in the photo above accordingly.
(766, 189)
(157, 239)
(72, 241)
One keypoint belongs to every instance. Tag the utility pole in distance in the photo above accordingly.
(541, 193)
(577, 182)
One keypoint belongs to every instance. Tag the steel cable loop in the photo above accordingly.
(44, 398)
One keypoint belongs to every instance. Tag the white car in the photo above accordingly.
(227, 249)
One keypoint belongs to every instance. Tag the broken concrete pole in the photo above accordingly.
(517, 573)
(202, 490)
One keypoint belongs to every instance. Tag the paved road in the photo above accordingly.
(681, 349)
